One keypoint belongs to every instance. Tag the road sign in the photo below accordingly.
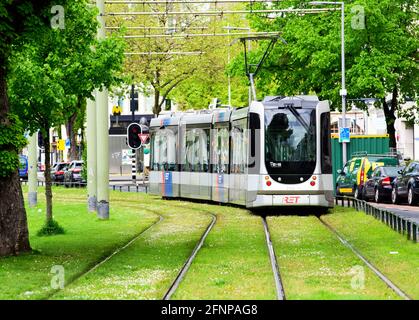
(61, 145)
(344, 135)
(67, 143)
(144, 137)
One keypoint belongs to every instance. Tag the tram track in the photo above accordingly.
(370, 265)
(188, 262)
(184, 269)
(280, 292)
(108, 257)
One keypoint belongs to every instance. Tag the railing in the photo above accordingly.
(400, 224)
(121, 187)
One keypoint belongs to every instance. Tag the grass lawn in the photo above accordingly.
(146, 269)
(315, 265)
(234, 261)
(87, 240)
(391, 252)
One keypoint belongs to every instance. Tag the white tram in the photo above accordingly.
(274, 153)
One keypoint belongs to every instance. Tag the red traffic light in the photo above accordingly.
(133, 139)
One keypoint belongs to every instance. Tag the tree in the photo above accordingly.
(54, 73)
(19, 19)
(381, 54)
(160, 74)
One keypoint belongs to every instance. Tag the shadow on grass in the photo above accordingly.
(290, 211)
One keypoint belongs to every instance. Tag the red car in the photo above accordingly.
(58, 170)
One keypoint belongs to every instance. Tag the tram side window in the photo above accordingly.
(220, 150)
(239, 145)
(164, 150)
(197, 150)
(326, 144)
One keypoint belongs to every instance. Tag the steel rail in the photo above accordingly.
(374, 269)
(188, 262)
(107, 258)
(280, 293)
(218, 12)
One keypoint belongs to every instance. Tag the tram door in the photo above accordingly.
(164, 161)
(197, 183)
(220, 162)
(238, 169)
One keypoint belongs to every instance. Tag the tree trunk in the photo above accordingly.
(48, 191)
(72, 135)
(157, 107)
(390, 114)
(14, 235)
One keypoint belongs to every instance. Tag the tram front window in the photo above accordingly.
(290, 141)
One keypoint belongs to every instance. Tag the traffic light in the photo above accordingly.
(133, 133)
(133, 100)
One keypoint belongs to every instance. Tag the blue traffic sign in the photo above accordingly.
(344, 135)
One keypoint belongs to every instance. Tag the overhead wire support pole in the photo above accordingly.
(343, 91)
(102, 134)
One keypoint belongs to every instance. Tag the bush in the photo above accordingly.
(50, 228)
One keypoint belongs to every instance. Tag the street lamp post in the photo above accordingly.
(343, 91)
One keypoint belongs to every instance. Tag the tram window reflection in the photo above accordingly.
(197, 150)
(220, 150)
(164, 144)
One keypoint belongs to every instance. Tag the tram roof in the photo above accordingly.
(298, 101)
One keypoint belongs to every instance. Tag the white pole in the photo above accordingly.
(229, 77)
(32, 170)
(91, 156)
(343, 91)
(102, 135)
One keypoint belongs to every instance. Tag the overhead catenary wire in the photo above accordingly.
(158, 28)
(218, 12)
(191, 53)
(165, 2)
(191, 35)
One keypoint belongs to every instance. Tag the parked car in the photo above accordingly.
(58, 170)
(406, 185)
(380, 185)
(356, 171)
(23, 167)
(73, 173)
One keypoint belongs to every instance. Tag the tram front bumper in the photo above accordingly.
(291, 200)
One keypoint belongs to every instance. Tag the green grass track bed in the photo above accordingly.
(395, 256)
(145, 269)
(234, 261)
(315, 265)
(87, 241)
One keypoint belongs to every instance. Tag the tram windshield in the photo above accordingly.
(290, 140)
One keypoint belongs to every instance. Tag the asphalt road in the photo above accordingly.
(405, 211)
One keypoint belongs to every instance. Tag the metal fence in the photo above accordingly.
(115, 187)
(400, 224)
